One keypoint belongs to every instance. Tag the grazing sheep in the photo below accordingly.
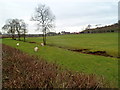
(42, 44)
(17, 44)
(36, 49)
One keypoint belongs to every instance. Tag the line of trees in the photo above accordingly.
(15, 26)
(43, 15)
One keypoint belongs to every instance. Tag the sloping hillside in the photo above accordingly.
(105, 29)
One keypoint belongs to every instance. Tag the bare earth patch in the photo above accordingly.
(32, 42)
(87, 51)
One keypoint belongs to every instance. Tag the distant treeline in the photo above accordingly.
(27, 35)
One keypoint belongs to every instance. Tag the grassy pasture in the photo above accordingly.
(91, 64)
(96, 42)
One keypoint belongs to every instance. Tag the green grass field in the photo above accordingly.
(97, 42)
(91, 64)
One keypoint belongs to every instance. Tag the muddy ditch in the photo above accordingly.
(31, 42)
(87, 51)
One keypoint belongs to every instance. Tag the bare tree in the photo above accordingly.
(10, 27)
(45, 19)
(17, 26)
(24, 29)
(14, 26)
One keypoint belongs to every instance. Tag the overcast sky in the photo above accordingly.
(71, 15)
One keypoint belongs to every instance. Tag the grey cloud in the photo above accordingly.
(68, 13)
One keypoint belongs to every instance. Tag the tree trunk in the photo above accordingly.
(45, 39)
(12, 32)
(12, 36)
(44, 36)
(18, 36)
(24, 37)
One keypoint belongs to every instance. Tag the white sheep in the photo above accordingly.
(36, 49)
(17, 44)
(42, 44)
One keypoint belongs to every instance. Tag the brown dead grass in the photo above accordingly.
(23, 71)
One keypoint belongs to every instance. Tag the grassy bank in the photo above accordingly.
(23, 71)
(90, 64)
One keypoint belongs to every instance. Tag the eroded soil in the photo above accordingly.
(88, 51)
